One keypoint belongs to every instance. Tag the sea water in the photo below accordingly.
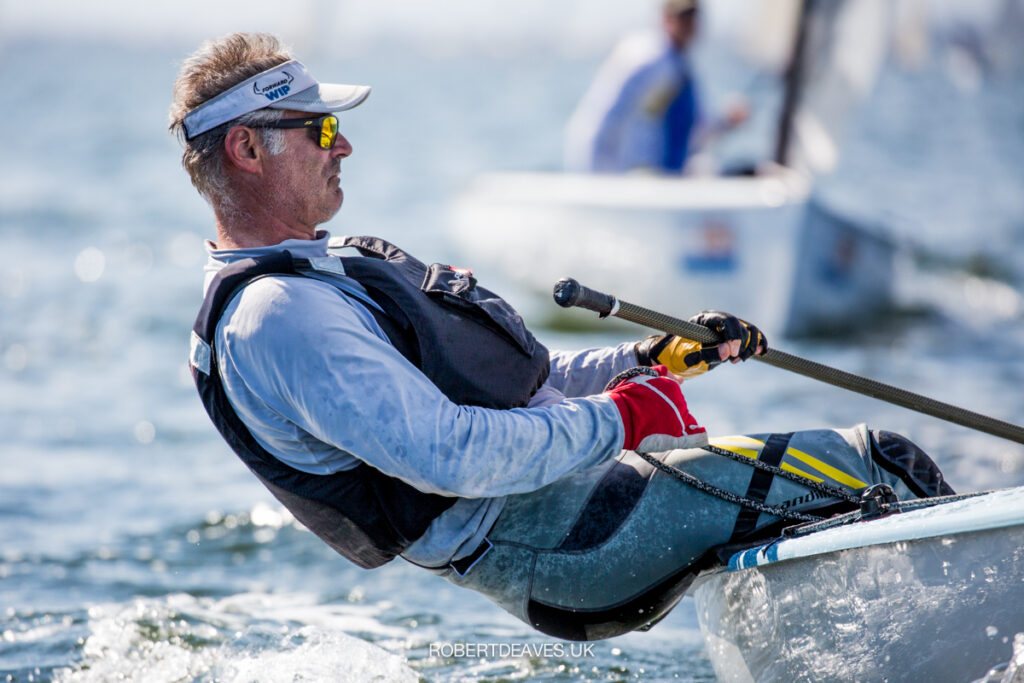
(134, 546)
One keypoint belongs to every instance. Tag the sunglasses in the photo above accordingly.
(323, 130)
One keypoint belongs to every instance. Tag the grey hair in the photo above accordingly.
(205, 151)
(215, 67)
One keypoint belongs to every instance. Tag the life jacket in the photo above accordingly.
(468, 341)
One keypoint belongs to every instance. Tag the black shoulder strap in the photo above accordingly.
(228, 280)
(374, 247)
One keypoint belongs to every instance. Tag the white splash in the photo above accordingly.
(244, 637)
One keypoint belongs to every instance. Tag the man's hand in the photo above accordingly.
(736, 114)
(654, 413)
(739, 341)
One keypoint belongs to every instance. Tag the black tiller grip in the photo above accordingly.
(569, 293)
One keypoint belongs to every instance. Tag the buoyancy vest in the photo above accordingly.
(468, 341)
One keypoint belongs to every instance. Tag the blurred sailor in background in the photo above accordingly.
(643, 110)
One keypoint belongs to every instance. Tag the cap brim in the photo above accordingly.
(324, 98)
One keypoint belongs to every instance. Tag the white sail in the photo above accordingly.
(766, 38)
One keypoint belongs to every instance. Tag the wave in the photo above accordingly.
(244, 637)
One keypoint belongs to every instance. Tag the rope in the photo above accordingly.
(728, 496)
(830, 491)
(855, 516)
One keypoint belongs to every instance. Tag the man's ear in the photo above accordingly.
(244, 150)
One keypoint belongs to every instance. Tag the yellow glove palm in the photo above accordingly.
(688, 358)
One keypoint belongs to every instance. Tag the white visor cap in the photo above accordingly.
(285, 86)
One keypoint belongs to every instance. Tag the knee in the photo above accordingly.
(901, 456)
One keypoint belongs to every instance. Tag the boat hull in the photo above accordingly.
(757, 247)
(926, 604)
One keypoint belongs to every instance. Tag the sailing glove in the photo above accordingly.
(654, 412)
(690, 358)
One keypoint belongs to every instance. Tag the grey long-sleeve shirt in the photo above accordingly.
(315, 379)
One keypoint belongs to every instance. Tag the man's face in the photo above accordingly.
(681, 28)
(304, 179)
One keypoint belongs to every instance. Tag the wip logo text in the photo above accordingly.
(278, 87)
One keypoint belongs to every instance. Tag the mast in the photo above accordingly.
(793, 80)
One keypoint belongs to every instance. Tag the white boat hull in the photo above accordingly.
(754, 246)
(929, 595)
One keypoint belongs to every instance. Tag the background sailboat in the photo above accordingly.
(758, 245)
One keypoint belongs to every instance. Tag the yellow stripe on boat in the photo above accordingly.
(725, 443)
(746, 452)
(751, 453)
(826, 469)
(737, 437)
(806, 475)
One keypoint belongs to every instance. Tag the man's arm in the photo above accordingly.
(313, 376)
(586, 372)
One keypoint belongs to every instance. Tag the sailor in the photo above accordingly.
(642, 111)
(398, 408)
